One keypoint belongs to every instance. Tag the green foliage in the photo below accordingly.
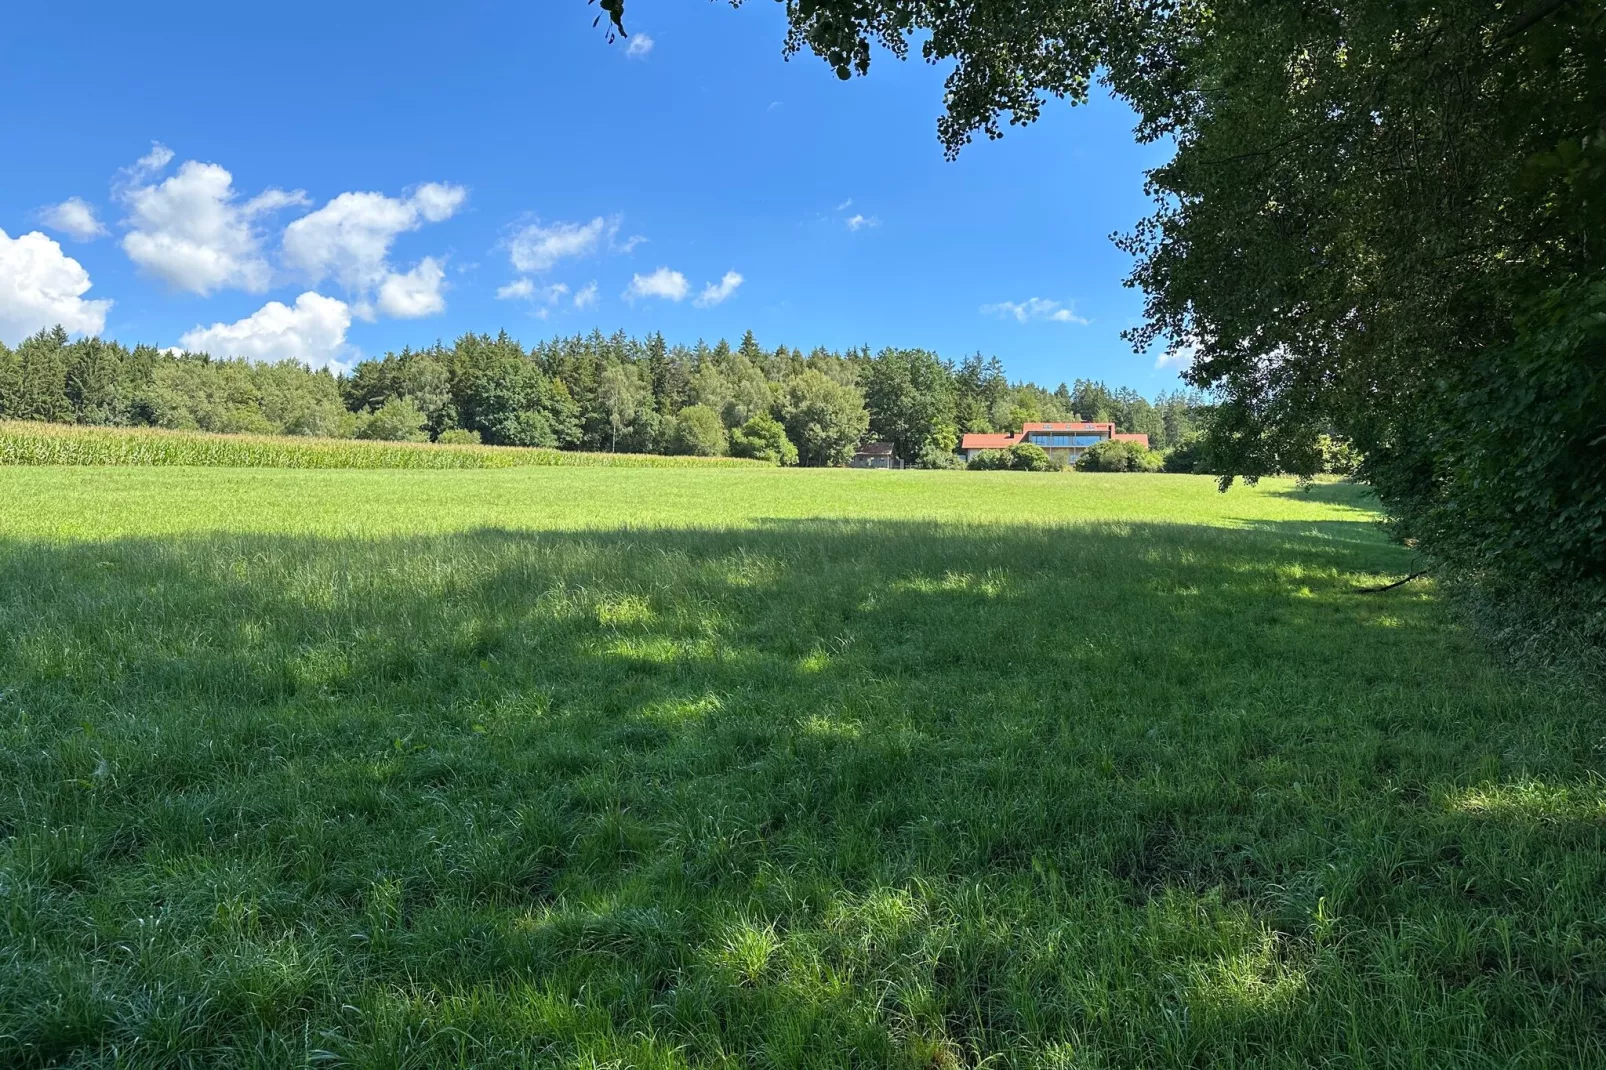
(1191, 456)
(1370, 205)
(1339, 456)
(592, 392)
(910, 395)
(399, 419)
(825, 419)
(458, 437)
(699, 432)
(991, 461)
(1021, 457)
(763, 438)
(1027, 457)
(1512, 488)
(685, 768)
(1116, 455)
(940, 459)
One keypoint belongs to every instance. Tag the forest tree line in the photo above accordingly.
(592, 392)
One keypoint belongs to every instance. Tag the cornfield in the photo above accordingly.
(27, 443)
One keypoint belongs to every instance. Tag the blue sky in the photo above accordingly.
(418, 172)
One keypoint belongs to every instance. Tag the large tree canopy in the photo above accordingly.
(1383, 218)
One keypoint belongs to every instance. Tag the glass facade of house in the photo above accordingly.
(1046, 440)
(1065, 446)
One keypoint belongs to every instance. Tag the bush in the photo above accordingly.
(1025, 457)
(1021, 457)
(991, 461)
(1116, 455)
(934, 457)
(762, 438)
(1189, 457)
(698, 432)
(1339, 455)
(399, 419)
(457, 436)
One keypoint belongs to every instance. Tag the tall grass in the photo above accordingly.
(706, 769)
(27, 443)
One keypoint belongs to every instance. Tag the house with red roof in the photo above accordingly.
(1063, 442)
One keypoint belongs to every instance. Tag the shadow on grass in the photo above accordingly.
(1334, 492)
(819, 793)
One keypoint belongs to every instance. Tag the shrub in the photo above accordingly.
(1189, 457)
(1339, 455)
(399, 419)
(934, 457)
(762, 438)
(991, 461)
(698, 432)
(1025, 457)
(457, 436)
(1116, 455)
(1021, 457)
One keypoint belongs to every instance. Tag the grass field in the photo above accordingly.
(762, 767)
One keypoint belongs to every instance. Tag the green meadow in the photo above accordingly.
(709, 767)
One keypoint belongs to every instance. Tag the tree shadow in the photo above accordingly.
(812, 793)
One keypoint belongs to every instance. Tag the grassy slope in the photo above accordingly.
(798, 768)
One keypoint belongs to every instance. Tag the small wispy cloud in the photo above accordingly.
(716, 292)
(664, 283)
(845, 205)
(859, 222)
(639, 46)
(1035, 308)
(587, 296)
(74, 217)
(542, 299)
(1176, 357)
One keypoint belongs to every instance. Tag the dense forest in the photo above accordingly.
(592, 392)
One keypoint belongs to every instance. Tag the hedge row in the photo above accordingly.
(28, 443)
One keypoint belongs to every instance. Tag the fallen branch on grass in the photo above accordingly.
(1396, 583)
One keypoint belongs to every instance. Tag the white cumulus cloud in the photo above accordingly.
(1035, 308)
(40, 286)
(670, 285)
(536, 247)
(639, 46)
(349, 239)
(416, 293)
(192, 231)
(587, 296)
(74, 217)
(715, 292)
(312, 331)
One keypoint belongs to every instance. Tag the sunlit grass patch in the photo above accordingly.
(1533, 800)
(733, 767)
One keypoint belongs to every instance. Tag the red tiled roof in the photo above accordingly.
(977, 441)
(1141, 439)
